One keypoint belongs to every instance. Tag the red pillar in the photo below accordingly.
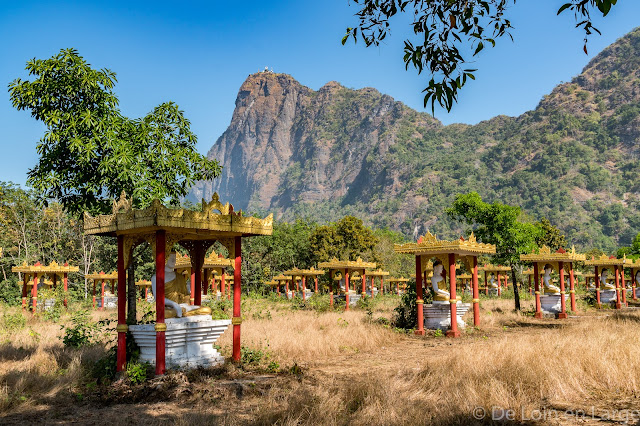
(453, 332)
(161, 327)
(530, 290)
(102, 295)
(371, 285)
(93, 294)
(304, 282)
(197, 275)
(486, 284)
(205, 282)
(237, 281)
(34, 294)
(499, 283)
(572, 288)
(65, 281)
(624, 286)
(315, 279)
(122, 328)
(146, 293)
(382, 285)
(25, 280)
(506, 284)
(293, 279)
(597, 280)
(330, 289)
(476, 293)
(419, 300)
(617, 271)
(286, 288)
(398, 288)
(563, 304)
(536, 280)
(223, 284)
(192, 283)
(633, 284)
(364, 285)
(346, 288)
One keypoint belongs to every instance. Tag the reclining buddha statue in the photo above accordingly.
(549, 287)
(604, 284)
(177, 293)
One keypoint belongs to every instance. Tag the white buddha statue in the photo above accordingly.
(177, 293)
(440, 295)
(637, 278)
(492, 281)
(603, 281)
(549, 287)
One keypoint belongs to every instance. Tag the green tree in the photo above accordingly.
(445, 29)
(91, 153)
(498, 224)
(346, 239)
(551, 236)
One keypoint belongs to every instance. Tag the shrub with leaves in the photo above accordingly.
(13, 322)
(82, 331)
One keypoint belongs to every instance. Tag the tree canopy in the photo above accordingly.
(90, 152)
(446, 29)
(498, 224)
(346, 239)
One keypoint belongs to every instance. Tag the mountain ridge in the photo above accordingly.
(336, 151)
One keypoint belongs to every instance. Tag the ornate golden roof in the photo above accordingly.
(430, 245)
(346, 264)
(311, 272)
(633, 264)
(377, 273)
(53, 268)
(199, 225)
(282, 277)
(102, 276)
(182, 261)
(215, 260)
(143, 283)
(464, 276)
(494, 268)
(272, 283)
(545, 255)
(398, 280)
(605, 260)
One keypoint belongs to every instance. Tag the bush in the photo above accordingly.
(220, 309)
(138, 372)
(13, 322)
(11, 292)
(83, 331)
(406, 313)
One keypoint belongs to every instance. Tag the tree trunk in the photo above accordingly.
(131, 291)
(516, 294)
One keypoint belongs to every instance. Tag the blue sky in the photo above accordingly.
(197, 54)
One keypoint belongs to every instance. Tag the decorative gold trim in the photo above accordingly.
(236, 320)
(346, 264)
(160, 326)
(572, 291)
(453, 301)
(420, 301)
(430, 245)
(122, 328)
(475, 300)
(537, 292)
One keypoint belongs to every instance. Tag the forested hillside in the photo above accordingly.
(323, 154)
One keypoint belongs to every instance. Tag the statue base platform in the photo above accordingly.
(375, 292)
(493, 291)
(110, 302)
(189, 341)
(307, 294)
(437, 316)
(353, 298)
(551, 303)
(608, 296)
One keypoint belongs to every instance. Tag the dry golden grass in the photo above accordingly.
(356, 371)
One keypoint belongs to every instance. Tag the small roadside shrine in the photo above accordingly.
(346, 268)
(144, 284)
(607, 291)
(34, 275)
(491, 286)
(100, 279)
(196, 231)
(283, 281)
(377, 273)
(554, 299)
(447, 254)
(399, 282)
(311, 273)
(215, 265)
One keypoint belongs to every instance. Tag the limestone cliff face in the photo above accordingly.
(574, 159)
(288, 144)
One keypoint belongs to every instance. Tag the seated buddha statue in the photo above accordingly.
(492, 282)
(637, 278)
(603, 281)
(549, 287)
(177, 293)
(440, 295)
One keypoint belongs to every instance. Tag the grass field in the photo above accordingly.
(301, 366)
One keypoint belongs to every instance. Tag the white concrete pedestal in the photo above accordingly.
(110, 302)
(551, 303)
(189, 341)
(307, 295)
(437, 316)
(608, 296)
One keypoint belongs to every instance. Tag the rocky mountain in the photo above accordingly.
(323, 154)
